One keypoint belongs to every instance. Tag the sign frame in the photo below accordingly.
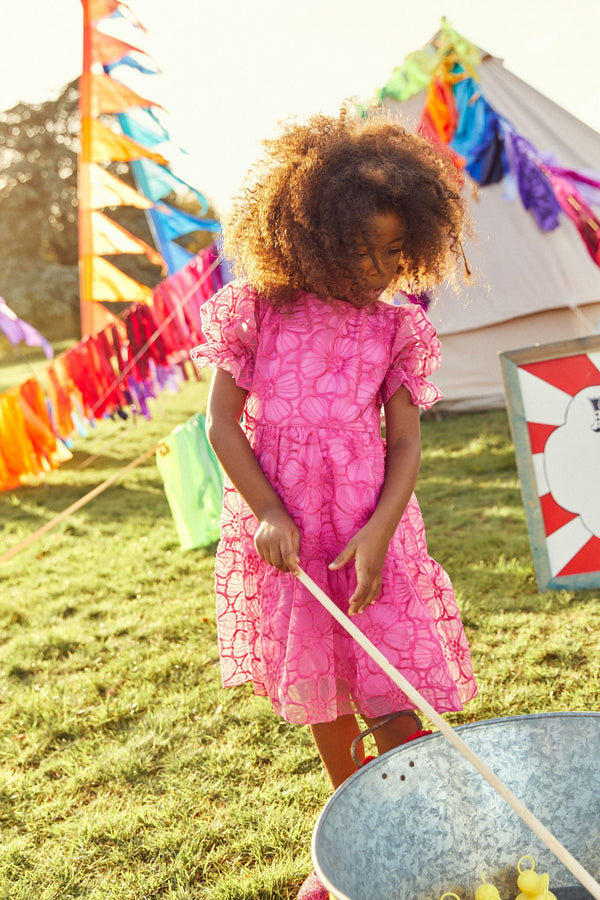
(541, 383)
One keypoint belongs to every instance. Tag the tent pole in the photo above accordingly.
(83, 179)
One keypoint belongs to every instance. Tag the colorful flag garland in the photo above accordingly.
(457, 116)
(137, 142)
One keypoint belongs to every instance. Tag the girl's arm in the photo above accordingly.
(369, 546)
(277, 540)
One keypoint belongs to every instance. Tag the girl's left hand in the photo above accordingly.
(368, 549)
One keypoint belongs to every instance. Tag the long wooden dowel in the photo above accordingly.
(74, 507)
(561, 852)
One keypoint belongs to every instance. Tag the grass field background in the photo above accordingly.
(125, 770)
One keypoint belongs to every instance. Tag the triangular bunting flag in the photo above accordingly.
(110, 285)
(107, 146)
(179, 256)
(110, 96)
(99, 9)
(108, 238)
(143, 127)
(175, 223)
(159, 182)
(129, 60)
(108, 190)
(98, 318)
(107, 49)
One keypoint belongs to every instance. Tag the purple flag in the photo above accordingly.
(16, 330)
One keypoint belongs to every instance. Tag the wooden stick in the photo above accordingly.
(561, 852)
(74, 507)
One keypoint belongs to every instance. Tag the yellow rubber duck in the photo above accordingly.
(486, 891)
(531, 884)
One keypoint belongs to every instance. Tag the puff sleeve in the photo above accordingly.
(416, 354)
(230, 332)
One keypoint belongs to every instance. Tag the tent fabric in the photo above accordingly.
(521, 275)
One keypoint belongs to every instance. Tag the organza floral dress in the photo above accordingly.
(317, 374)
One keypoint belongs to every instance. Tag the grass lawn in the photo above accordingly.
(125, 770)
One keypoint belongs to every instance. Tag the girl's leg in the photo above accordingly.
(393, 733)
(334, 740)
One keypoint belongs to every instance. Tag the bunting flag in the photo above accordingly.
(578, 211)
(107, 146)
(100, 9)
(134, 63)
(113, 373)
(106, 49)
(159, 182)
(110, 285)
(176, 223)
(110, 96)
(145, 128)
(108, 190)
(138, 143)
(109, 238)
(179, 255)
(458, 119)
(17, 330)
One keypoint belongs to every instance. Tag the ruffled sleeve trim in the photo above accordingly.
(230, 333)
(416, 354)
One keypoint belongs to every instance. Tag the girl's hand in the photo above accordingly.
(277, 540)
(368, 549)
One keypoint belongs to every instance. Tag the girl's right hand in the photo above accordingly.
(277, 541)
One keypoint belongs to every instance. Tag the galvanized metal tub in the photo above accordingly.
(420, 820)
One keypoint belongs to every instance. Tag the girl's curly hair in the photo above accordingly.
(296, 222)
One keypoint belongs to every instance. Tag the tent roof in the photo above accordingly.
(517, 268)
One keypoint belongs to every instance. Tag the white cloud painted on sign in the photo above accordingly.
(572, 459)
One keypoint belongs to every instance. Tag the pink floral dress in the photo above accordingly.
(317, 374)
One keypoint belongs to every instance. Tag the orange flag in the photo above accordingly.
(99, 9)
(108, 190)
(105, 145)
(110, 285)
(32, 404)
(107, 49)
(108, 237)
(21, 461)
(110, 96)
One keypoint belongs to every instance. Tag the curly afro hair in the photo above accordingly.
(296, 222)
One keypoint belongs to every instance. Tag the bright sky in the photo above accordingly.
(233, 68)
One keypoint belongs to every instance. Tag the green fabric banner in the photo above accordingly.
(193, 483)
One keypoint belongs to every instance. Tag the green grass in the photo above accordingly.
(125, 770)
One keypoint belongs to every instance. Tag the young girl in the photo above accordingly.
(340, 214)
